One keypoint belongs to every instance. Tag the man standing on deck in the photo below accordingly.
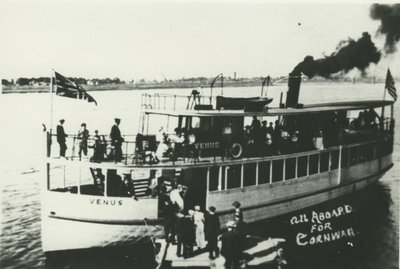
(61, 138)
(231, 247)
(83, 135)
(116, 140)
(211, 230)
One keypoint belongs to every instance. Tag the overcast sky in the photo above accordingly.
(175, 39)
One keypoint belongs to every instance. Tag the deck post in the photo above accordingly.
(241, 175)
(284, 170)
(220, 178)
(297, 163)
(208, 179)
(308, 165)
(270, 171)
(64, 175)
(226, 178)
(319, 162)
(174, 102)
(339, 165)
(329, 160)
(257, 173)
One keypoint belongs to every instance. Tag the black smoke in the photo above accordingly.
(349, 54)
(389, 15)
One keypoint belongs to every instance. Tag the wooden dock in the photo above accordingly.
(258, 251)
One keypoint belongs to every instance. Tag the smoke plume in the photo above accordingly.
(349, 54)
(389, 15)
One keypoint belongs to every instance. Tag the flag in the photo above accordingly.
(389, 85)
(67, 88)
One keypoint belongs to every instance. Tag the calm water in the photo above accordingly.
(374, 217)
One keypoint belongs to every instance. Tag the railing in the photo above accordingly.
(255, 172)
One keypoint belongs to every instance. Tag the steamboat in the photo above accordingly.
(220, 153)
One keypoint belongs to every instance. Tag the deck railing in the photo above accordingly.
(173, 102)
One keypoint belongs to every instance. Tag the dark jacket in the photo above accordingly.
(188, 230)
(115, 135)
(61, 134)
(212, 227)
(231, 245)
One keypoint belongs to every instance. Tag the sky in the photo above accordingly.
(134, 40)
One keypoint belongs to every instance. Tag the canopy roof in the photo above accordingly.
(312, 108)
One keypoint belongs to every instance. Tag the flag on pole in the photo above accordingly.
(389, 85)
(65, 87)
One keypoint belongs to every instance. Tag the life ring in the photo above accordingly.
(236, 150)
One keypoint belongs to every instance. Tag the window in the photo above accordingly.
(234, 176)
(249, 174)
(290, 168)
(263, 172)
(277, 170)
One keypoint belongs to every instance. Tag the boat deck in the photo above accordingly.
(258, 251)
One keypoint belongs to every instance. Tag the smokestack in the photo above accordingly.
(292, 96)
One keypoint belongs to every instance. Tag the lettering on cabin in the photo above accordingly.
(207, 145)
(322, 227)
(106, 202)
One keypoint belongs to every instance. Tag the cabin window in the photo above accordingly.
(277, 170)
(302, 164)
(324, 161)
(313, 164)
(290, 168)
(334, 159)
(345, 158)
(234, 176)
(353, 155)
(214, 174)
(249, 174)
(264, 172)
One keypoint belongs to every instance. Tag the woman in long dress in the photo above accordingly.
(199, 223)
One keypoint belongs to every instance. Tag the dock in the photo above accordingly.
(258, 251)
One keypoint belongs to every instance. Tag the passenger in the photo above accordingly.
(97, 150)
(83, 136)
(270, 129)
(176, 143)
(277, 132)
(270, 148)
(255, 128)
(294, 144)
(116, 140)
(99, 182)
(152, 184)
(180, 222)
(162, 151)
(264, 130)
(169, 221)
(188, 234)
(212, 230)
(191, 150)
(126, 188)
(198, 218)
(284, 144)
(226, 141)
(237, 211)
(160, 135)
(176, 198)
(240, 230)
(61, 135)
(318, 140)
(231, 247)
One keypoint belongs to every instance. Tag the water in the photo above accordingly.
(375, 220)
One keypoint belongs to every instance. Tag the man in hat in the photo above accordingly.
(83, 136)
(61, 135)
(236, 206)
(212, 229)
(231, 246)
(116, 139)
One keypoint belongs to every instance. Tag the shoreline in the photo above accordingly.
(175, 85)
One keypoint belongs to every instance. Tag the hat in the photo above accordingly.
(117, 119)
(212, 209)
(83, 124)
(230, 223)
(236, 204)
(197, 208)
(62, 120)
